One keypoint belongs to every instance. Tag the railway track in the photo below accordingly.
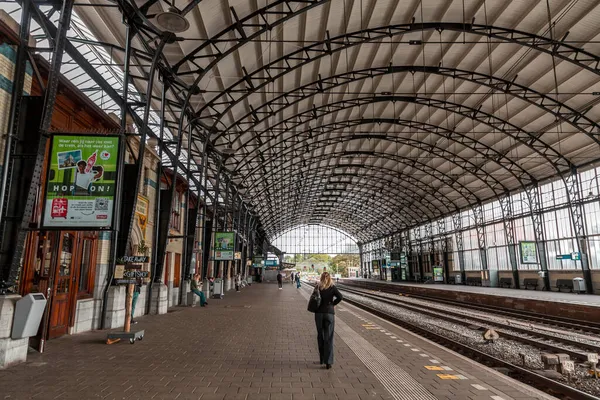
(519, 373)
(576, 326)
(548, 342)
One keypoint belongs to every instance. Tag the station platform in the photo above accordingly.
(257, 344)
(583, 307)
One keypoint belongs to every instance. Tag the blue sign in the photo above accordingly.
(271, 263)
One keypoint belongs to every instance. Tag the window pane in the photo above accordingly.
(85, 266)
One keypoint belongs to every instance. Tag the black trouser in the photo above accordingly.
(325, 324)
(280, 285)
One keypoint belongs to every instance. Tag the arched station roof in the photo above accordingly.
(371, 116)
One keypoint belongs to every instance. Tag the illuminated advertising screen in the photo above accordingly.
(80, 182)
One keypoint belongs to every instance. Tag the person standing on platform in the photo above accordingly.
(297, 280)
(136, 293)
(238, 282)
(280, 280)
(325, 318)
(194, 289)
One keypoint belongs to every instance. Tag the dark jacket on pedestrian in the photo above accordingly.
(329, 298)
(279, 277)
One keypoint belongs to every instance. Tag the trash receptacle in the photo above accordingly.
(458, 280)
(218, 289)
(579, 285)
(28, 315)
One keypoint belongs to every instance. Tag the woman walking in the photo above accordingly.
(325, 318)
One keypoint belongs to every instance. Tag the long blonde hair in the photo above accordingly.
(326, 281)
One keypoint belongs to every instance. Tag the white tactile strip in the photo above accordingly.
(397, 381)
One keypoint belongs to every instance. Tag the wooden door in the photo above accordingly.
(64, 285)
(177, 270)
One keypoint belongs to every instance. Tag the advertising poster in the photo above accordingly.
(528, 253)
(224, 245)
(438, 274)
(81, 181)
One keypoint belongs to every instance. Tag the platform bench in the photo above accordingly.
(451, 280)
(474, 281)
(530, 282)
(564, 284)
(506, 282)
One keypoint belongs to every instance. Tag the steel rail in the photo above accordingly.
(465, 320)
(570, 323)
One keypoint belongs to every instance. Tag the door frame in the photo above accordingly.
(74, 284)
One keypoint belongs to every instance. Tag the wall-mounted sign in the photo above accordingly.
(134, 274)
(528, 253)
(224, 245)
(133, 260)
(141, 212)
(271, 263)
(573, 256)
(438, 274)
(80, 182)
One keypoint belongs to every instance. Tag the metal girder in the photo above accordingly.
(441, 227)
(458, 232)
(302, 138)
(59, 43)
(545, 102)
(480, 229)
(576, 209)
(509, 233)
(537, 219)
(363, 188)
(316, 50)
(409, 162)
(443, 152)
(242, 31)
(529, 139)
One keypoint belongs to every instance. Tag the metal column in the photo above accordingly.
(533, 196)
(457, 222)
(573, 188)
(509, 232)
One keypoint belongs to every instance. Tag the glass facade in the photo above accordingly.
(315, 239)
(557, 236)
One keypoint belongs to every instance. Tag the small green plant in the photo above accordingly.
(142, 248)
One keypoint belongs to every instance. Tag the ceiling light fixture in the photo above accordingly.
(172, 21)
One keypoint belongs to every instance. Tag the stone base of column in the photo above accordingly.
(11, 351)
(159, 299)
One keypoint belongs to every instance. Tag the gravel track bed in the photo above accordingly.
(507, 350)
(496, 319)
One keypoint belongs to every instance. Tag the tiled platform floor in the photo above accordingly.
(258, 344)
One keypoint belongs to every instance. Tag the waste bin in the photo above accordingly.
(579, 285)
(458, 280)
(28, 315)
(218, 288)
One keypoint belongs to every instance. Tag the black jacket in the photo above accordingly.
(279, 278)
(329, 298)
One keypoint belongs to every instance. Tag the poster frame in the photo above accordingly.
(524, 242)
(48, 164)
(215, 258)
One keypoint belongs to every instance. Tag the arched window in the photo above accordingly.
(315, 239)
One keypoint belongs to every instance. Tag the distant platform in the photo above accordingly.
(585, 307)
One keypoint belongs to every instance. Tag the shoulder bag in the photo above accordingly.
(315, 300)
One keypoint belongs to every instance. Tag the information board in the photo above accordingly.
(80, 182)
(528, 252)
